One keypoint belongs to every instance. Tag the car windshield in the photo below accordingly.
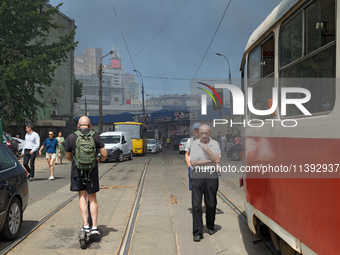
(111, 139)
(151, 141)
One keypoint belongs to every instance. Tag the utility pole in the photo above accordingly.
(100, 74)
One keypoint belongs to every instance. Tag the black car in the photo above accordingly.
(234, 152)
(13, 194)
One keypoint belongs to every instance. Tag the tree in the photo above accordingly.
(78, 90)
(27, 57)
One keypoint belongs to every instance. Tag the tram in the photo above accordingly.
(295, 46)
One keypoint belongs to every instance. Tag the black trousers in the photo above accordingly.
(31, 158)
(208, 187)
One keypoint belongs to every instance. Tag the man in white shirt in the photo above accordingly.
(32, 144)
(205, 155)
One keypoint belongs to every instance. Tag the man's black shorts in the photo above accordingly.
(77, 184)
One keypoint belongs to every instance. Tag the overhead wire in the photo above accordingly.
(219, 24)
(174, 30)
(161, 29)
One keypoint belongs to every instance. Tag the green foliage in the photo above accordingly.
(28, 56)
(78, 90)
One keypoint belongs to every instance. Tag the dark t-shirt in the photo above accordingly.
(70, 147)
(229, 136)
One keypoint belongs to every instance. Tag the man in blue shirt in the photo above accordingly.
(51, 145)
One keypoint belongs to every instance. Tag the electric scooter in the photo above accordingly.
(84, 237)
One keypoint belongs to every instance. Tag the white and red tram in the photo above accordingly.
(297, 40)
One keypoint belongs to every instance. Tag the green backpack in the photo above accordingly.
(85, 154)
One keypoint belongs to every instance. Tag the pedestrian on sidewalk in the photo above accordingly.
(195, 128)
(79, 183)
(32, 143)
(229, 139)
(61, 142)
(205, 155)
(51, 145)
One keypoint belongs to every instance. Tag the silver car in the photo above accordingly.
(182, 145)
(152, 146)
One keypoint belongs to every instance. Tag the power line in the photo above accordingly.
(121, 31)
(173, 31)
(161, 29)
(209, 45)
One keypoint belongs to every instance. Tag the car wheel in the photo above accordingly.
(18, 155)
(13, 220)
(235, 155)
(131, 156)
(120, 157)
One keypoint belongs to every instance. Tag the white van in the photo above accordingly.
(118, 145)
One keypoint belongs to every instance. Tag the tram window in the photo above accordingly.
(320, 65)
(262, 93)
(291, 40)
(268, 57)
(322, 95)
(320, 24)
(254, 64)
(261, 60)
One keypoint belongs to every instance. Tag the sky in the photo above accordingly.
(169, 39)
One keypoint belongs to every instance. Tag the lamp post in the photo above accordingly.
(142, 95)
(231, 98)
(100, 121)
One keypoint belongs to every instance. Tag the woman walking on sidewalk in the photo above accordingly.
(61, 142)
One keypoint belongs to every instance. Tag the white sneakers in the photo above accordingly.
(51, 178)
(95, 231)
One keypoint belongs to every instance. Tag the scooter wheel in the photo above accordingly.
(83, 244)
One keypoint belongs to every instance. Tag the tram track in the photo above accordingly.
(127, 236)
(44, 219)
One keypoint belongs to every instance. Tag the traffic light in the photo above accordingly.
(218, 106)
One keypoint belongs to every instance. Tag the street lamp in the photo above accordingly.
(218, 54)
(100, 121)
(230, 96)
(142, 95)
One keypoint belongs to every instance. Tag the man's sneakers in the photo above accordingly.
(86, 228)
(197, 238)
(95, 231)
(51, 178)
(30, 179)
(211, 231)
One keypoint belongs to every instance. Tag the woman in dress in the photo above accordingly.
(61, 142)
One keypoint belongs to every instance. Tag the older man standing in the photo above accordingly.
(204, 157)
(32, 143)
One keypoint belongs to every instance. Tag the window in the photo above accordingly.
(261, 65)
(116, 99)
(317, 58)
(6, 161)
(291, 40)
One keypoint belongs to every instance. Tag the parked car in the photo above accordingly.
(13, 194)
(21, 145)
(234, 152)
(152, 146)
(159, 146)
(13, 145)
(182, 144)
(118, 145)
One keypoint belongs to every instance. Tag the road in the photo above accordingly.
(164, 221)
